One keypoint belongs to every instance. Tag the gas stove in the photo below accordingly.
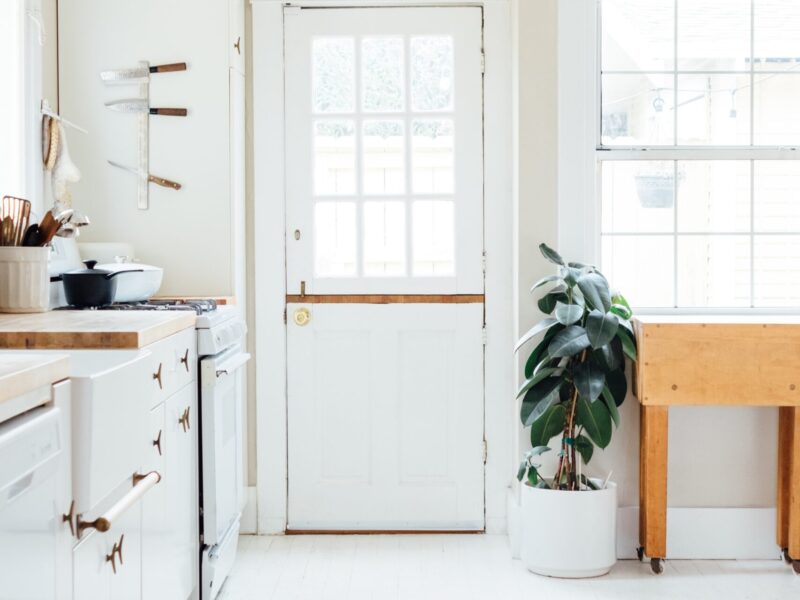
(199, 306)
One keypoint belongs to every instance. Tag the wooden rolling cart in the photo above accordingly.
(716, 361)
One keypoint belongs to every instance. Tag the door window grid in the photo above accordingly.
(690, 230)
(375, 158)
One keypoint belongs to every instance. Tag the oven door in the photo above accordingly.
(222, 380)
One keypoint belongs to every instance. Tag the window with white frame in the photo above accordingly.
(12, 147)
(698, 152)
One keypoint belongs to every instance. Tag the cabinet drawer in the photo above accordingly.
(173, 364)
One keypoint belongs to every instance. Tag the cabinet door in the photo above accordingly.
(64, 539)
(182, 488)
(91, 572)
(158, 579)
(126, 583)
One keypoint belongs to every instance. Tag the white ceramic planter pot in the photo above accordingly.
(569, 534)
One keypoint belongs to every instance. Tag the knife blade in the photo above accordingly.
(152, 178)
(139, 105)
(139, 73)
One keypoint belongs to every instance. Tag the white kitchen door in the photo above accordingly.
(385, 284)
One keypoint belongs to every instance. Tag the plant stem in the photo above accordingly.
(570, 430)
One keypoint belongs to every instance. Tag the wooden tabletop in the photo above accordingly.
(90, 329)
(26, 371)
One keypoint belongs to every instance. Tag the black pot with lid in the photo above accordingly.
(90, 287)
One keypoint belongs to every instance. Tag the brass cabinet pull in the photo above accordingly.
(157, 442)
(157, 376)
(116, 550)
(185, 360)
(68, 518)
(184, 420)
(141, 485)
(237, 45)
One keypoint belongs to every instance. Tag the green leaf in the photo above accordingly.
(539, 350)
(538, 399)
(618, 385)
(628, 345)
(619, 300)
(568, 342)
(529, 383)
(608, 357)
(533, 476)
(545, 280)
(611, 405)
(570, 275)
(589, 380)
(585, 448)
(567, 314)
(595, 419)
(551, 255)
(539, 450)
(601, 328)
(621, 311)
(541, 326)
(549, 426)
(548, 303)
(595, 289)
(523, 466)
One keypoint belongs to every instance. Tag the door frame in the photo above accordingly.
(269, 256)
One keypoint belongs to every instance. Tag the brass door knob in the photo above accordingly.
(302, 317)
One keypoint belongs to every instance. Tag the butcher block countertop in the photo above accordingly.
(24, 372)
(90, 329)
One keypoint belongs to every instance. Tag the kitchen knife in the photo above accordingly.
(139, 73)
(152, 178)
(139, 105)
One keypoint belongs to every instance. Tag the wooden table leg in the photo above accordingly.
(654, 433)
(789, 484)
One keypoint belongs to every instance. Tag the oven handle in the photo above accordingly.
(230, 366)
(141, 485)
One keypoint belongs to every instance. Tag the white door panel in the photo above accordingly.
(386, 417)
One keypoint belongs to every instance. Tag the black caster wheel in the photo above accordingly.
(656, 566)
(786, 557)
(796, 566)
(640, 553)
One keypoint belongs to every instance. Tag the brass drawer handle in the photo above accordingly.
(141, 485)
(185, 360)
(157, 376)
(116, 550)
(157, 442)
(184, 420)
(68, 517)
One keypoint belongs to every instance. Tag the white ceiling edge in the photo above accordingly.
(373, 3)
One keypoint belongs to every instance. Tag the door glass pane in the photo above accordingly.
(433, 238)
(384, 238)
(638, 35)
(432, 73)
(643, 266)
(432, 149)
(713, 270)
(776, 270)
(382, 74)
(714, 35)
(334, 158)
(777, 35)
(714, 109)
(713, 196)
(638, 196)
(384, 157)
(335, 239)
(776, 201)
(777, 110)
(334, 74)
(638, 110)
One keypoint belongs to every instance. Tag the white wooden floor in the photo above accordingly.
(472, 567)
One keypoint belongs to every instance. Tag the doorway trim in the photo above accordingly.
(269, 260)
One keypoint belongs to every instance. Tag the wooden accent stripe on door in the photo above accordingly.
(386, 299)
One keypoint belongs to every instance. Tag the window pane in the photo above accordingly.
(713, 196)
(777, 110)
(777, 35)
(714, 35)
(638, 35)
(382, 74)
(713, 270)
(334, 158)
(638, 110)
(776, 201)
(777, 270)
(384, 238)
(334, 75)
(641, 267)
(432, 157)
(431, 73)
(638, 196)
(11, 99)
(434, 238)
(714, 109)
(335, 239)
(384, 157)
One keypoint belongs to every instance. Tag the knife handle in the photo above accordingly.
(168, 68)
(164, 182)
(169, 112)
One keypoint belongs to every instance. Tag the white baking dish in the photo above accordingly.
(135, 287)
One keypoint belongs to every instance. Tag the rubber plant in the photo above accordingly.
(575, 376)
